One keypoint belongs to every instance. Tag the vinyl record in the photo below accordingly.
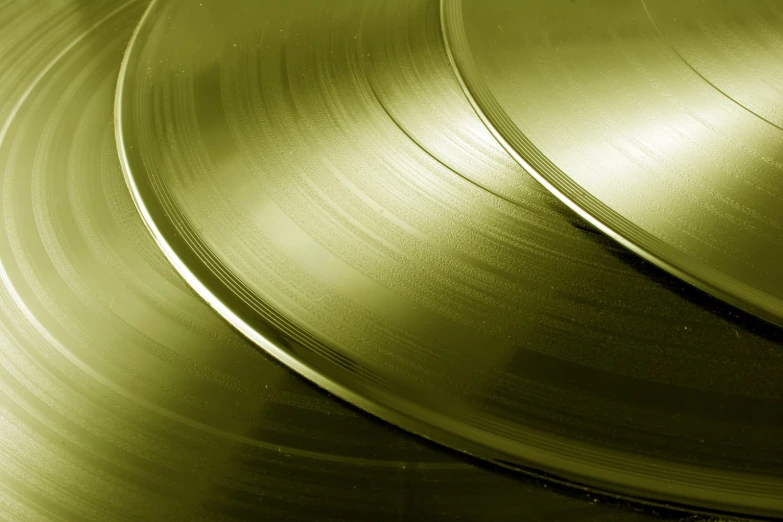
(122, 395)
(660, 122)
(317, 175)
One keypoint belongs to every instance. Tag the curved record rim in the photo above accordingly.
(97, 423)
(618, 474)
(600, 215)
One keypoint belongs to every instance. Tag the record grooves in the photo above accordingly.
(122, 396)
(289, 173)
(320, 175)
(657, 122)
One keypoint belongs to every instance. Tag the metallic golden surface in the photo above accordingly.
(659, 121)
(316, 174)
(122, 395)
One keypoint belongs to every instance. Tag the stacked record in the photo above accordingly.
(519, 260)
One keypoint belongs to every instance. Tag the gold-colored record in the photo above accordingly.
(122, 395)
(660, 121)
(316, 173)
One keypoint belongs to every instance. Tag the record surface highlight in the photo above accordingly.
(122, 395)
(318, 176)
(659, 122)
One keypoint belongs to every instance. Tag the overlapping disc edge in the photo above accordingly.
(78, 443)
(587, 206)
(415, 416)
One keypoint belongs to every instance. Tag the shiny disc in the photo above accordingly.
(316, 173)
(661, 122)
(122, 395)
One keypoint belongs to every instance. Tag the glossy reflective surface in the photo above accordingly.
(316, 173)
(122, 395)
(658, 121)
